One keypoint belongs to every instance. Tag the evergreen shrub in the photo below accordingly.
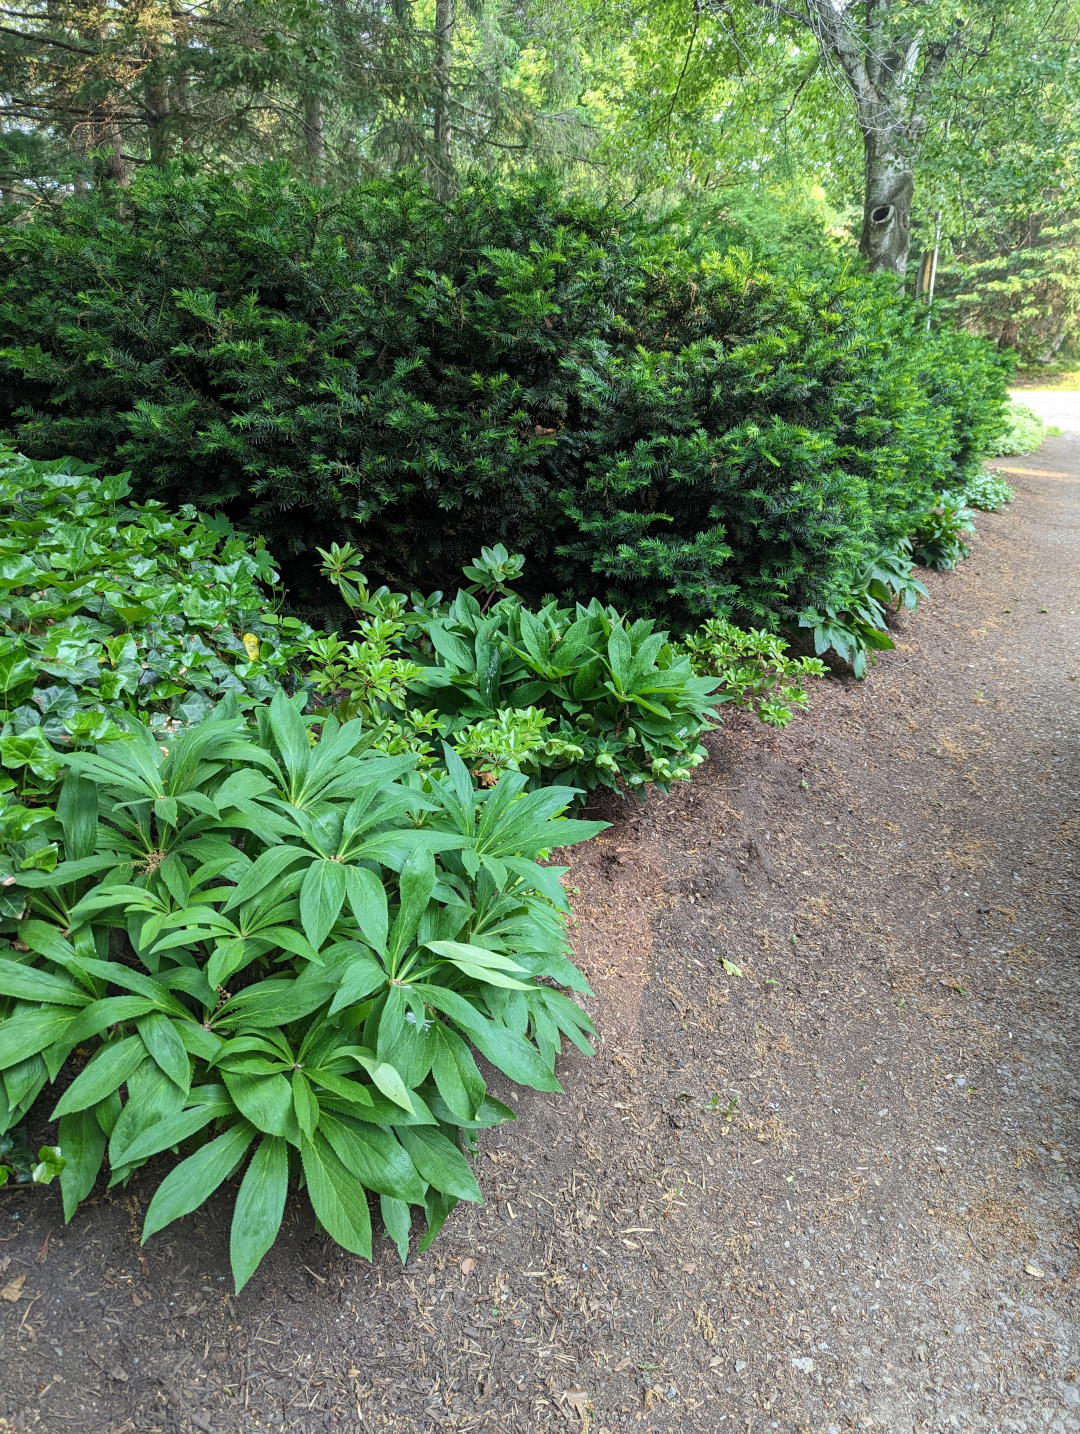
(654, 420)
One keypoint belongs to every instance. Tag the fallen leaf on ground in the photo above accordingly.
(119, 1374)
(135, 1300)
(577, 1399)
(623, 1364)
(467, 1266)
(13, 1289)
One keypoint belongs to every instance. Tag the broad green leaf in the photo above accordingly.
(152, 1097)
(26, 983)
(416, 884)
(30, 1031)
(260, 1206)
(512, 1054)
(83, 1142)
(367, 902)
(438, 1207)
(162, 1040)
(336, 1196)
(266, 869)
(374, 1157)
(77, 812)
(439, 1162)
(93, 1019)
(196, 1178)
(397, 1218)
(455, 1072)
(389, 1081)
(106, 1072)
(174, 1131)
(305, 1104)
(46, 940)
(340, 1086)
(363, 975)
(321, 897)
(265, 1100)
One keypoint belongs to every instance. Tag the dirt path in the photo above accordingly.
(838, 1191)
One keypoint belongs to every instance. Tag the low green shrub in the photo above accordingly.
(675, 428)
(938, 537)
(109, 610)
(753, 669)
(580, 697)
(267, 953)
(855, 628)
(987, 491)
(1023, 432)
(20, 1165)
(112, 610)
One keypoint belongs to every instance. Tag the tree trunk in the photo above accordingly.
(314, 136)
(156, 107)
(442, 162)
(888, 191)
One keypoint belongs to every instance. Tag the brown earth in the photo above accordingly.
(836, 1191)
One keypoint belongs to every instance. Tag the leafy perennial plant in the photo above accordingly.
(267, 953)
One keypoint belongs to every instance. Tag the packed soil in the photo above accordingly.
(821, 1173)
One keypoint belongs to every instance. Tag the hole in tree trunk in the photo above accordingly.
(881, 214)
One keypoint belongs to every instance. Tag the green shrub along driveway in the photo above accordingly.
(655, 419)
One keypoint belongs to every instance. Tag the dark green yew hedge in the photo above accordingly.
(650, 419)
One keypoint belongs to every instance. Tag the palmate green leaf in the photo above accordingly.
(260, 1206)
(336, 1196)
(196, 1178)
(108, 1069)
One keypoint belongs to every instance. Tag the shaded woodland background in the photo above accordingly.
(798, 123)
